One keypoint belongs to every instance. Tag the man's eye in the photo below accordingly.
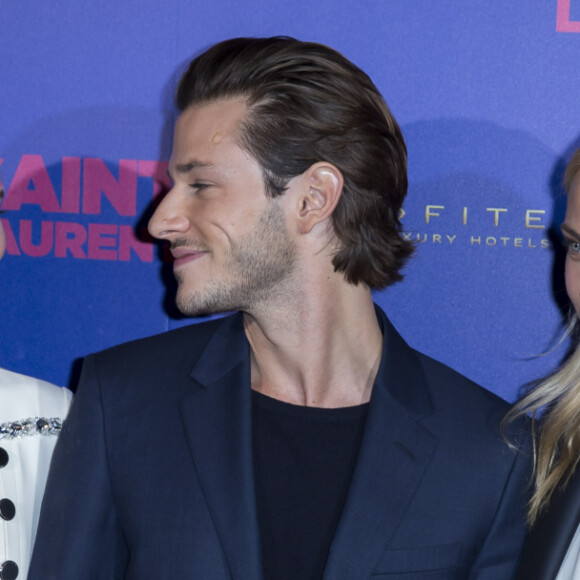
(199, 186)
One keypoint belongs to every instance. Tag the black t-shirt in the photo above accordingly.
(304, 458)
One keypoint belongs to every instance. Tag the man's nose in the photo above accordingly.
(169, 217)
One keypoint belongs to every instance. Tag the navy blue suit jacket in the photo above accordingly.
(152, 476)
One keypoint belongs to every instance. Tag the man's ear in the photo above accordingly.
(322, 184)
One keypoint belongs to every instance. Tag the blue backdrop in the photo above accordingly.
(487, 95)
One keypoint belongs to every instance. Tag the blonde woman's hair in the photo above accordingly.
(554, 405)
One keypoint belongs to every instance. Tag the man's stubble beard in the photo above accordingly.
(256, 268)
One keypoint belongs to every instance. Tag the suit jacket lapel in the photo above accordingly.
(217, 422)
(547, 543)
(394, 454)
(395, 451)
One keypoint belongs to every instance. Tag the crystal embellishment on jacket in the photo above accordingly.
(31, 426)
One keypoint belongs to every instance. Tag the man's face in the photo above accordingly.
(2, 237)
(230, 242)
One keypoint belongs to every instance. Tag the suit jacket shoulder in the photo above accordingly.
(443, 494)
(443, 397)
(184, 341)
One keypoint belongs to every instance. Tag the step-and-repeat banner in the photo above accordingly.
(488, 98)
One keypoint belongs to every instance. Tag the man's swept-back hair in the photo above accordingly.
(308, 103)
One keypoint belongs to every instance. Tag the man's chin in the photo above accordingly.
(193, 305)
(189, 310)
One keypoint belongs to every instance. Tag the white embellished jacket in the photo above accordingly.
(31, 413)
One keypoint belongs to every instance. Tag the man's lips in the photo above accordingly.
(184, 255)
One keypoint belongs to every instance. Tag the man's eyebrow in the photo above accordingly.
(184, 168)
(566, 229)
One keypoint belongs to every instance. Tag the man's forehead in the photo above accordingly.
(202, 130)
(213, 121)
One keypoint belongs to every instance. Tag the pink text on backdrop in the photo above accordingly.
(84, 183)
(563, 22)
(71, 239)
(31, 184)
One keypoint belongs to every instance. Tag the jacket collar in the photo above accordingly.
(217, 422)
(394, 453)
(400, 368)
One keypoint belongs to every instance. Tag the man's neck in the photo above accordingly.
(321, 350)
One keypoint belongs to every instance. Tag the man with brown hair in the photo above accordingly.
(301, 437)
